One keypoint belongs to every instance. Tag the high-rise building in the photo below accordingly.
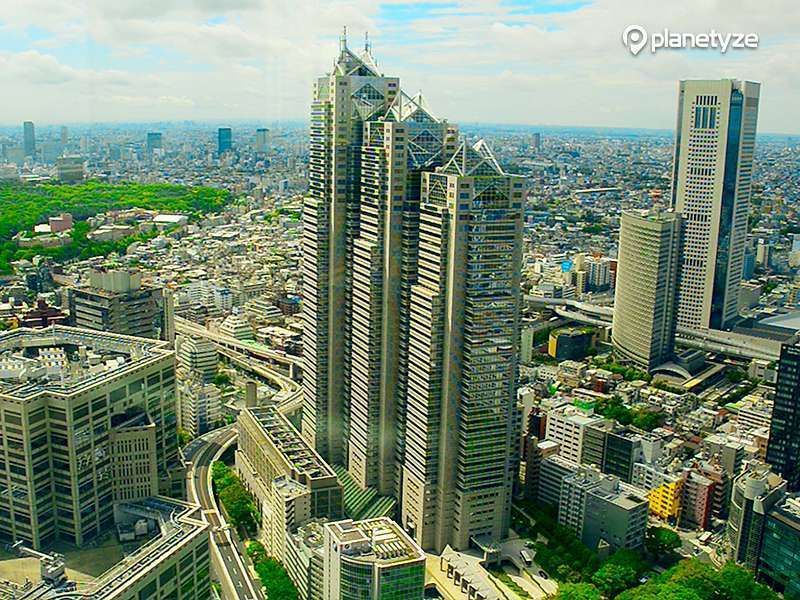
(783, 451)
(261, 139)
(154, 142)
(779, 562)
(755, 491)
(224, 140)
(463, 353)
(372, 558)
(89, 420)
(28, 139)
(353, 92)
(116, 300)
(412, 254)
(197, 357)
(643, 331)
(711, 184)
(64, 135)
(70, 169)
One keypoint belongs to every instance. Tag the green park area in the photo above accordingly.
(23, 206)
(654, 573)
(241, 512)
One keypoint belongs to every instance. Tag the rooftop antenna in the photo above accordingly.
(367, 44)
(343, 39)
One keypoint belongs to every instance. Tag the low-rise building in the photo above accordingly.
(291, 483)
(374, 558)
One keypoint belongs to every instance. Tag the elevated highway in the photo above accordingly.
(227, 556)
(725, 342)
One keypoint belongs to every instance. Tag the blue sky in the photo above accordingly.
(557, 62)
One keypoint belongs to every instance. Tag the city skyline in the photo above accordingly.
(544, 60)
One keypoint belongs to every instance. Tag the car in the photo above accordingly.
(543, 575)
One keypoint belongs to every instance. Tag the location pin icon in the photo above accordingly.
(634, 38)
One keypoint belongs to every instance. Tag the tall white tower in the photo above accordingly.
(711, 184)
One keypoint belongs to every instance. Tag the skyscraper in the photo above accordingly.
(352, 93)
(28, 139)
(463, 352)
(154, 141)
(711, 181)
(411, 305)
(643, 331)
(224, 140)
(783, 451)
(261, 139)
(64, 135)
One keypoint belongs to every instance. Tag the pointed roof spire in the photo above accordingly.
(343, 39)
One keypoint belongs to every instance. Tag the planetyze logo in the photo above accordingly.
(635, 38)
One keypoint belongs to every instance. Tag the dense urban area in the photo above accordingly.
(478, 362)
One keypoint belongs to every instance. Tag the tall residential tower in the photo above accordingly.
(711, 184)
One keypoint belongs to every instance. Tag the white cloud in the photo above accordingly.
(484, 62)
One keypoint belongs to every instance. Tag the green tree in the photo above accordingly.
(239, 506)
(184, 437)
(256, 552)
(577, 591)
(661, 541)
(611, 578)
(222, 379)
(737, 582)
(276, 580)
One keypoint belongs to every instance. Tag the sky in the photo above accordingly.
(532, 62)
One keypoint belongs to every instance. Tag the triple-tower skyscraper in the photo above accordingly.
(412, 247)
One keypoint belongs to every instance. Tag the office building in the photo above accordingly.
(154, 142)
(261, 139)
(197, 356)
(88, 419)
(601, 510)
(116, 301)
(290, 482)
(567, 425)
(463, 353)
(373, 558)
(305, 560)
(70, 169)
(779, 562)
(403, 229)
(28, 139)
(783, 451)
(552, 472)
(643, 330)
(615, 514)
(352, 93)
(173, 563)
(64, 137)
(755, 491)
(711, 186)
(237, 327)
(224, 140)
(200, 406)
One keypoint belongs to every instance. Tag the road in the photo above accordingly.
(200, 453)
